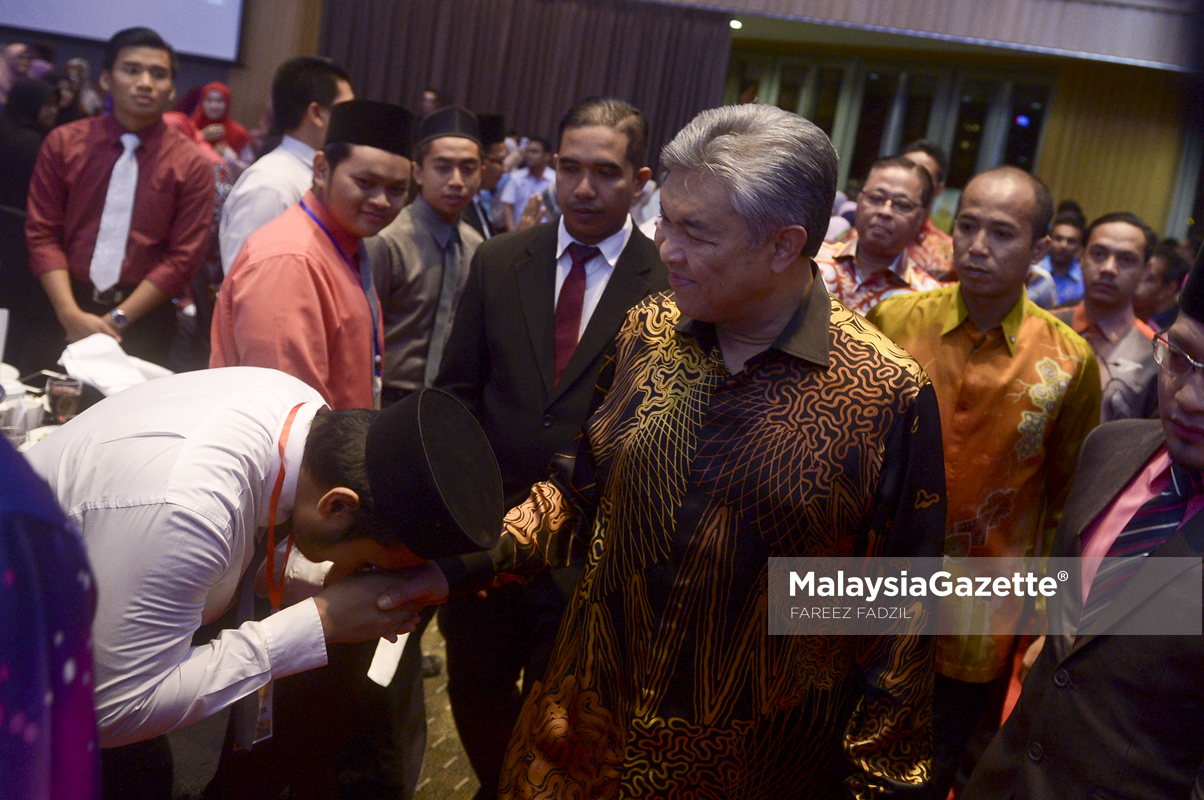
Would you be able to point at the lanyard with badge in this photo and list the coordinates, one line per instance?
(366, 282)
(253, 728)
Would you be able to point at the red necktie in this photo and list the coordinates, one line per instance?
(568, 306)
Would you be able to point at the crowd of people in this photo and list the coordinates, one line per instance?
(394, 326)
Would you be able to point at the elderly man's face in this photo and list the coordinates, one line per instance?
(889, 212)
(716, 276)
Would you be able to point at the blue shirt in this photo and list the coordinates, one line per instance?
(1070, 285)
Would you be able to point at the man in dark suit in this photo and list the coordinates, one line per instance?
(1109, 716)
(532, 331)
(479, 213)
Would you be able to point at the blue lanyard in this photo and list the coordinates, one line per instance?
(376, 358)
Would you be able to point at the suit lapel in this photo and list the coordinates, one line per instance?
(1116, 468)
(1151, 578)
(628, 285)
(535, 279)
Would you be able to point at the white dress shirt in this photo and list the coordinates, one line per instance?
(521, 186)
(170, 481)
(263, 192)
(597, 270)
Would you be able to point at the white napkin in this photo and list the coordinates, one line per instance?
(386, 659)
(99, 361)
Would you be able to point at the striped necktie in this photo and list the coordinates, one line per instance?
(1149, 528)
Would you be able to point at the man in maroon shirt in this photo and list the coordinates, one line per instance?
(71, 205)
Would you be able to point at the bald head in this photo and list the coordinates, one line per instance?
(1037, 201)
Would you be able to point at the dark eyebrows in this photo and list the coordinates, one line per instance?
(602, 164)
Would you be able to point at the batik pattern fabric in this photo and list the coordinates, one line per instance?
(845, 281)
(664, 681)
(932, 251)
(1016, 403)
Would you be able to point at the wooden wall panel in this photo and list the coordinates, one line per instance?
(1112, 139)
(273, 30)
(1153, 32)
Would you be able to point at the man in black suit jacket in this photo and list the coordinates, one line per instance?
(527, 366)
(1108, 716)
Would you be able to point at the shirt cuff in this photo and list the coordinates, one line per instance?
(295, 639)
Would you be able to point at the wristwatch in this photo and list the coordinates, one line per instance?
(119, 319)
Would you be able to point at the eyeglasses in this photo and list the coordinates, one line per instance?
(901, 204)
(1175, 360)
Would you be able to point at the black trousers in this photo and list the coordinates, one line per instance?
(964, 718)
(490, 643)
(149, 338)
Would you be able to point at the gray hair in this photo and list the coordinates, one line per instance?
(779, 168)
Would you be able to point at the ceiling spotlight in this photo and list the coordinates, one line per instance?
(736, 24)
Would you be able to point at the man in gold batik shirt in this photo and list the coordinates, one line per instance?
(1019, 392)
(746, 416)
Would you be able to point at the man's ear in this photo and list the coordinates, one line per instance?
(338, 502)
(321, 170)
(641, 177)
(788, 245)
(1040, 248)
(106, 81)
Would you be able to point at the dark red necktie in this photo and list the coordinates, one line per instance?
(568, 305)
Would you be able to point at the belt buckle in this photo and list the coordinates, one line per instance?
(109, 297)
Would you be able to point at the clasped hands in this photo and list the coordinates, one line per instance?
(379, 604)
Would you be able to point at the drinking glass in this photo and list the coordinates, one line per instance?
(63, 395)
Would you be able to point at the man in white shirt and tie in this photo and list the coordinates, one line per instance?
(539, 314)
(303, 91)
(182, 485)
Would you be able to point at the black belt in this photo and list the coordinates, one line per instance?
(111, 297)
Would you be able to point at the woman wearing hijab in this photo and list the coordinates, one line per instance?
(34, 339)
(227, 137)
(14, 65)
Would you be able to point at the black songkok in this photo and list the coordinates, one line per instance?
(433, 475)
(1191, 299)
(492, 129)
(449, 121)
(381, 125)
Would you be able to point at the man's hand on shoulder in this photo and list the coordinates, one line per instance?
(371, 605)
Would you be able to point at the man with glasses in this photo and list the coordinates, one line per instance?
(1018, 393)
(1121, 716)
(1114, 261)
(874, 262)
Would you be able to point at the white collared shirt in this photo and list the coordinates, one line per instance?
(597, 270)
(522, 185)
(170, 481)
(263, 192)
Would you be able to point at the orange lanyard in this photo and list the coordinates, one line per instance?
(276, 590)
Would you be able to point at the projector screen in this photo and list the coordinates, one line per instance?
(208, 28)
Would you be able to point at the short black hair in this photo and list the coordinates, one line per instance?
(334, 456)
(1072, 208)
(1151, 239)
(547, 146)
(1073, 220)
(934, 151)
(1177, 266)
(136, 37)
(903, 162)
(619, 115)
(300, 81)
(335, 153)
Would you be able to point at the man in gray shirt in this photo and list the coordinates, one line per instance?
(420, 261)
